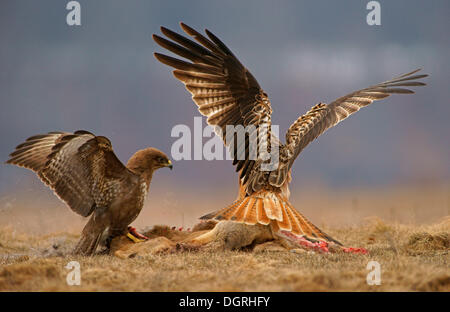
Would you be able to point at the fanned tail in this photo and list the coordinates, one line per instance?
(270, 208)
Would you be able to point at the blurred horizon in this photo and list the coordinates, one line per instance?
(102, 77)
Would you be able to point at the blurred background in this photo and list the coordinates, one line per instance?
(102, 77)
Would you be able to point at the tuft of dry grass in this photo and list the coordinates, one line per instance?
(425, 241)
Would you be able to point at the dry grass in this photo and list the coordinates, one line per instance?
(414, 256)
(411, 258)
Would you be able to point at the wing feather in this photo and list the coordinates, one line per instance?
(80, 168)
(223, 89)
(322, 116)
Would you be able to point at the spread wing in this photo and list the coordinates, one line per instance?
(80, 168)
(324, 116)
(224, 91)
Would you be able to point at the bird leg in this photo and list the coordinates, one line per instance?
(135, 236)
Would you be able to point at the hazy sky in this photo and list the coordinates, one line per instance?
(101, 76)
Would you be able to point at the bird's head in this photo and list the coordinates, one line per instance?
(148, 160)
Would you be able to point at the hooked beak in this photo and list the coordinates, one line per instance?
(169, 164)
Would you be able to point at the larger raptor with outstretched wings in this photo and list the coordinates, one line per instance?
(228, 95)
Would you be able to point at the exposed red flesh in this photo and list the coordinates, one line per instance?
(136, 234)
(320, 246)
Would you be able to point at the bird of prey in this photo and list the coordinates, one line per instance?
(227, 94)
(84, 172)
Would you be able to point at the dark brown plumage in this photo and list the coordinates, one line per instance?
(228, 94)
(84, 172)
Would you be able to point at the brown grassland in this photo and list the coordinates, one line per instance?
(407, 230)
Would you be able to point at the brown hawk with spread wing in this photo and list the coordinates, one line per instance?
(84, 172)
(228, 94)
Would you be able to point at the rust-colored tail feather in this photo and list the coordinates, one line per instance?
(272, 207)
(266, 207)
(251, 217)
(241, 210)
(261, 215)
(286, 221)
